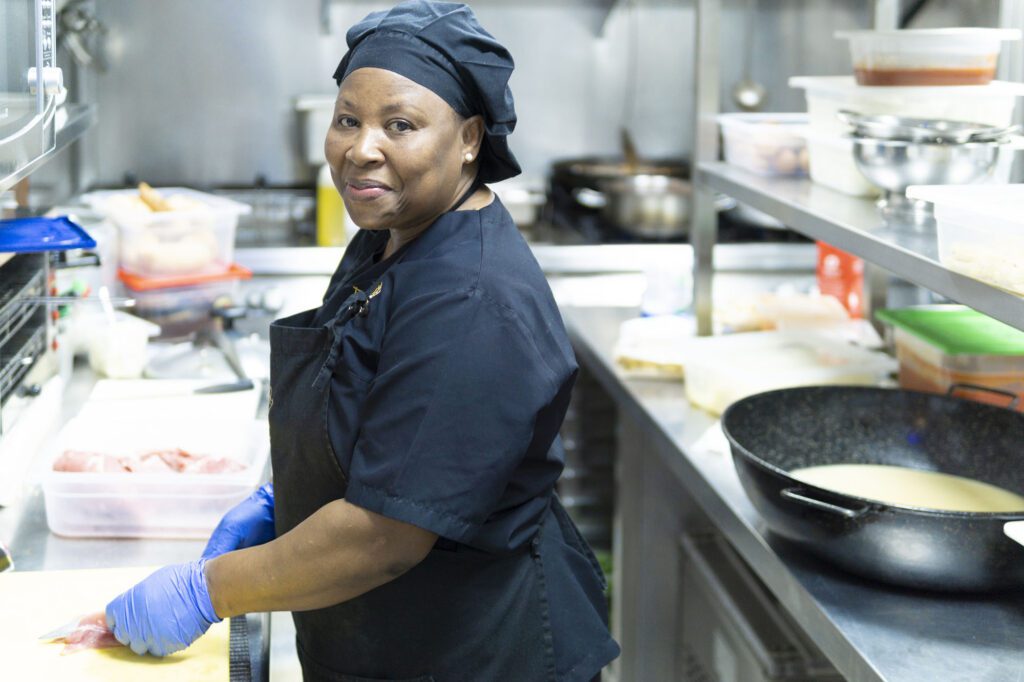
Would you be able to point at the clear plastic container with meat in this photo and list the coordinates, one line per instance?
(145, 478)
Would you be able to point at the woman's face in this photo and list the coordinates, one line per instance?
(397, 151)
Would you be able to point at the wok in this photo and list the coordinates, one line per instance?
(776, 432)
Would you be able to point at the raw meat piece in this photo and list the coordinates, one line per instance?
(90, 633)
(150, 463)
(174, 460)
(187, 463)
(95, 462)
(213, 465)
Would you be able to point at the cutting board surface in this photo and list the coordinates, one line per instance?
(35, 602)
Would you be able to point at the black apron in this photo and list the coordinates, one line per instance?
(461, 614)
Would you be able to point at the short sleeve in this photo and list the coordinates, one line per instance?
(451, 413)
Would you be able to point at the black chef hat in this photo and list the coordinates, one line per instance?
(443, 47)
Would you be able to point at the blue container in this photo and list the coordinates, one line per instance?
(33, 235)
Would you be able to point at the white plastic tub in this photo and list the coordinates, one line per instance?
(720, 370)
(991, 104)
(766, 144)
(197, 237)
(831, 164)
(980, 230)
(942, 56)
(164, 505)
(315, 112)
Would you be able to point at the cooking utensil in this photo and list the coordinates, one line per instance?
(890, 127)
(774, 433)
(894, 165)
(748, 93)
(646, 206)
(590, 171)
(629, 151)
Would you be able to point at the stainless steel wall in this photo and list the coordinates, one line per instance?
(202, 92)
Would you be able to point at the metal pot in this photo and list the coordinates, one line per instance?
(774, 433)
(592, 171)
(647, 206)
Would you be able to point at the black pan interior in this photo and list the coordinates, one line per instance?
(802, 427)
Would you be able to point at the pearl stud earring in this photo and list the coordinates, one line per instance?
(469, 157)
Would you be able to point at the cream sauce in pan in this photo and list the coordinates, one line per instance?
(911, 487)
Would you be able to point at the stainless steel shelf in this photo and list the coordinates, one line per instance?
(853, 224)
(80, 117)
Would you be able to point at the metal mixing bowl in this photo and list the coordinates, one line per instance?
(894, 165)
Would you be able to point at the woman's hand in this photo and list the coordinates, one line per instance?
(165, 612)
(249, 523)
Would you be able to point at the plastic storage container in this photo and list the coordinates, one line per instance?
(181, 305)
(196, 237)
(830, 163)
(831, 154)
(980, 230)
(315, 113)
(163, 505)
(766, 144)
(942, 56)
(941, 346)
(723, 369)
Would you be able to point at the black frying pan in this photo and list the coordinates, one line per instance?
(779, 431)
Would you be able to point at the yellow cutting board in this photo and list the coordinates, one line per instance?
(36, 602)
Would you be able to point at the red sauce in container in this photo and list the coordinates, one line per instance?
(972, 76)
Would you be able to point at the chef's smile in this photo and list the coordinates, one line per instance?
(364, 190)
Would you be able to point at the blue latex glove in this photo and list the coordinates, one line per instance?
(165, 612)
(247, 524)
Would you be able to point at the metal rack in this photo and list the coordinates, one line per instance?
(79, 118)
(849, 223)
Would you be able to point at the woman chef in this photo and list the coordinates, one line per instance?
(414, 416)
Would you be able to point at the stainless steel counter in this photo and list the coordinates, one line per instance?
(868, 631)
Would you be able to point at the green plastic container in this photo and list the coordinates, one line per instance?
(940, 346)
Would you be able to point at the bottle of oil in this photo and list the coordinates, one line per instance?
(330, 211)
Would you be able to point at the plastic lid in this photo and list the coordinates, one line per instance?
(1000, 202)
(137, 283)
(33, 235)
(957, 330)
(845, 85)
(959, 32)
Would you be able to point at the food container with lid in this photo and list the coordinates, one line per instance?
(181, 305)
(155, 505)
(939, 56)
(942, 346)
(720, 370)
(980, 230)
(196, 237)
(766, 144)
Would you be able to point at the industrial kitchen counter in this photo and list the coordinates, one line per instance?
(868, 631)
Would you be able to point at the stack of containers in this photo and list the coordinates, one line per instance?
(941, 347)
(930, 73)
(175, 262)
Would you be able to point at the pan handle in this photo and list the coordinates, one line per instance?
(1014, 398)
(802, 497)
(1014, 530)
